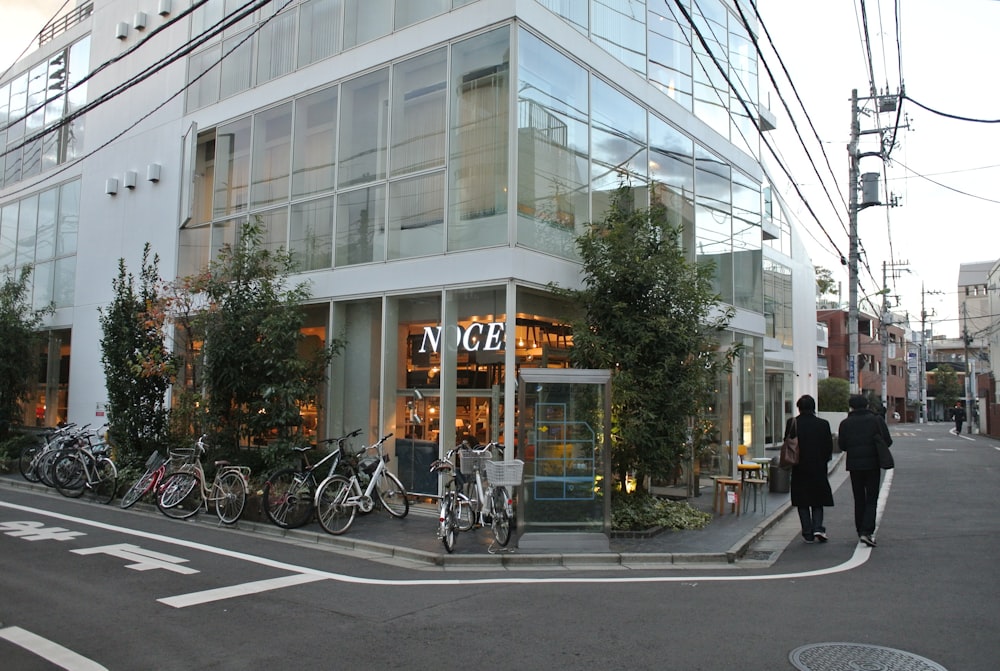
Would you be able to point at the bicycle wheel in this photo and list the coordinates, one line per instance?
(332, 508)
(230, 495)
(392, 494)
(138, 489)
(447, 526)
(28, 462)
(463, 513)
(288, 499)
(503, 516)
(43, 468)
(105, 480)
(69, 474)
(180, 497)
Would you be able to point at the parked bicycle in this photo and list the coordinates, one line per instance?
(85, 466)
(184, 492)
(289, 494)
(339, 498)
(477, 493)
(35, 462)
(156, 469)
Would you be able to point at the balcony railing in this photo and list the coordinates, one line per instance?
(61, 24)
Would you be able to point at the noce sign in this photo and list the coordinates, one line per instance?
(473, 338)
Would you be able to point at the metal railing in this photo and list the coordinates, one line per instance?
(61, 24)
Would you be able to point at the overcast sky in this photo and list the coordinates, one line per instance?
(945, 173)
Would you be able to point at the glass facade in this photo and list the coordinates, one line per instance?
(38, 129)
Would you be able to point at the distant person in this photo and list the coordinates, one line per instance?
(810, 486)
(958, 414)
(856, 437)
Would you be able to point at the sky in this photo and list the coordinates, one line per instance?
(944, 172)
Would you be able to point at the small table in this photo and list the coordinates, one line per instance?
(764, 463)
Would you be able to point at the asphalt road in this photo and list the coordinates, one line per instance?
(84, 586)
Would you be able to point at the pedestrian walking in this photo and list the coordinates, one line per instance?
(958, 414)
(810, 485)
(856, 437)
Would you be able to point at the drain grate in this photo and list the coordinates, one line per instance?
(858, 657)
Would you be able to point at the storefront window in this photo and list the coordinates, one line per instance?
(355, 380)
(47, 405)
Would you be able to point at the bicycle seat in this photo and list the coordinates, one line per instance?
(440, 466)
(220, 464)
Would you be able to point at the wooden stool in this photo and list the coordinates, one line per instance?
(719, 500)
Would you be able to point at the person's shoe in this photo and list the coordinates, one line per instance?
(820, 536)
(868, 540)
(808, 539)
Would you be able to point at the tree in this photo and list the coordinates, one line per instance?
(833, 394)
(947, 388)
(256, 365)
(825, 284)
(650, 316)
(19, 343)
(138, 366)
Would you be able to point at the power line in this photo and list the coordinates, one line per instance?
(945, 186)
(946, 115)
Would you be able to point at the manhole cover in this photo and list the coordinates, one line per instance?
(858, 657)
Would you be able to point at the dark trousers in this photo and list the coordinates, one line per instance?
(865, 486)
(811, 518)
(958, 425)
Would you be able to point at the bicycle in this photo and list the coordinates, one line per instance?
(183, 493)
(488, 501)
(35, 461)
(289, 494)
(156, 469)
(339, 498)
(85, 466)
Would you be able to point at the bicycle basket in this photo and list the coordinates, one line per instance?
(507, 473)
(182, 456)
(154, 460)
(470, 460)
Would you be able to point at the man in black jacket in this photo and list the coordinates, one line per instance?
(856, 437)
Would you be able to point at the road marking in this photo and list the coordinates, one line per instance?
(145, 560)
(861, 555)
(62, 657)
(37, 531)
(197, 598)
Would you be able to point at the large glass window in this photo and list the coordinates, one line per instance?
(416, 216)
(618, 146)
(315, 142)
(310, 235)
(364, 20)
(232, 167)
(619, 27)
(713, 219)
(743, 75)
(477, 212)
(747, 243)
(361, 226)
(778, 302)
(711, 92)
(319, 30)
(27, 222)
(408, 13)
(272, 148)
(276, 46)
(671, 173)
(670, 53)
(552, 148)
(237, 66)
(8, 235)
(364, 121)
(419, 113)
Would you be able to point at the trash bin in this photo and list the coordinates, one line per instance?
(779, 479)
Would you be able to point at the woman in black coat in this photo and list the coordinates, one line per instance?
(810, 486)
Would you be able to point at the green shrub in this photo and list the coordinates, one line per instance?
(638, 512)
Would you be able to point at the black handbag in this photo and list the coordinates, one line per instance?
(885, 459)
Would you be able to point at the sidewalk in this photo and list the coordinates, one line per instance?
(413, 540)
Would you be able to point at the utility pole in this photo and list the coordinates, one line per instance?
(969, 384)
(922, 377)
(884, 103)
(885, 320)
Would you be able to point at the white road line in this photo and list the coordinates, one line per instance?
(46, 649)
(197, 598)
(860, 556)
